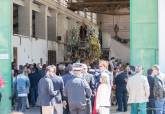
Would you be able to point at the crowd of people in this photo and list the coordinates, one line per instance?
(83, 88)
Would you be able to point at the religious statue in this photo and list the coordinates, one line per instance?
(116, 30)
(83, 32)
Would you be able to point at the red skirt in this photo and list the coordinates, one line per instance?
(94, 106)
(1, 82)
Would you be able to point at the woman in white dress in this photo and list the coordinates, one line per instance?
(103, 97)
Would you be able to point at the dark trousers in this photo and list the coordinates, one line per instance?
(151, 106)
(92, 101)
(66, 110)
(121, 97)
(21, 107)
(33, 95)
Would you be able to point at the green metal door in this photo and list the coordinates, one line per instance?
(144, 32)
(5, 53)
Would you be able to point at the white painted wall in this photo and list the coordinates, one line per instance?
(39, 50)
(31, 51)
(161, 17)
(123, 21)
(23, 49)
(106, 37)
(118, 50)
(63, 26)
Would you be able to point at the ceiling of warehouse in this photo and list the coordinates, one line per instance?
(111, 7)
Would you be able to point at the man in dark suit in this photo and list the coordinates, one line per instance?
(91, 81)
(121, 91)
(66, 77)
(58, 84)
(151, 103)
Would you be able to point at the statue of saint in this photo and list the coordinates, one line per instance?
(83, 32)
(116, 30)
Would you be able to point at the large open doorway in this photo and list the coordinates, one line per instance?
(143, 32)
(113, 19)
(131, 23)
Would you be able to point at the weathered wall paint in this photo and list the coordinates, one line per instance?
(5, 53)
(144, 32)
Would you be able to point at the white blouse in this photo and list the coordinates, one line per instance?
(103, 96)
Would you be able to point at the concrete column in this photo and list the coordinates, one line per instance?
(25, 18)
(61, 26)
(52, 26)
(106, 39)
(144, 32)
(161, 17)
(52, 30)
(41, 23)
(5, 54)
(61, 32)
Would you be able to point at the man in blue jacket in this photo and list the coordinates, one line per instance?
(21, 86)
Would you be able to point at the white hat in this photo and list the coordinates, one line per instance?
(77, 67)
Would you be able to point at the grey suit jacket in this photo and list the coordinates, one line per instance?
(77, 90)
(45, 92)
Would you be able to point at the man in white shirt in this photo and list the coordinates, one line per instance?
(138, 90)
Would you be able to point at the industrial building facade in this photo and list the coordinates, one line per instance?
(41, 25)
(40, 29)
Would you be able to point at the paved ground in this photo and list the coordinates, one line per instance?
(37, 111)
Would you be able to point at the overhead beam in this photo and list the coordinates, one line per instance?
(93, 8)
(49, 13)
(112, 13)
(18, 2)
(105, 10)
(35, 7)
(99, 3)
(116, 5)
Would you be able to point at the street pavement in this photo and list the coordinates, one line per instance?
(36, 110)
